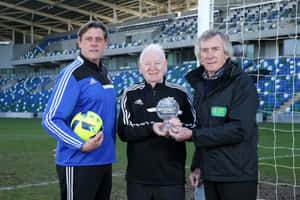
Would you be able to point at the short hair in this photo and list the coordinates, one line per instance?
(210, 34)
(92, 24)
(153, 47)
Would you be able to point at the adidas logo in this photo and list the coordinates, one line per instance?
(139, 102)
(92, 81)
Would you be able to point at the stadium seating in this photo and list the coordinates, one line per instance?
(42, 48)
(28, 95)
(277, 88)
(259, 17)
(275, 85)
(180, 29)
(275, 80)
(32, 94)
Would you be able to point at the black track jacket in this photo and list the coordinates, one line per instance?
(152, 159)
(226, 136)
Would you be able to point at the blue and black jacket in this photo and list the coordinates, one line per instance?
(81, 87)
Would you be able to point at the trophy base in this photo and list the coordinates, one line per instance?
(165, 127)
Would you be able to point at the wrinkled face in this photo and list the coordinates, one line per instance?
(92, 44)
(153, 67)
(212, 54)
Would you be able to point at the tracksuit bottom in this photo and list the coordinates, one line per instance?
(85, 182)
(230, 190)
(155, 192)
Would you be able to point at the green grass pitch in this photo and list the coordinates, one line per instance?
(27, 168)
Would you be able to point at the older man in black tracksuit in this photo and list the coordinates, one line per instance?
(226, 136)
(156, 162)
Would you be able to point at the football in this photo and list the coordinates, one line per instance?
(86, 124)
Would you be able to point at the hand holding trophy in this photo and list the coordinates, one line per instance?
(166, 109)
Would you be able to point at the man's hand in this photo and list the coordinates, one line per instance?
(195, 177)
(93, 143)
(54, 153)
(175, 122)
(180, 133)
(157, 129)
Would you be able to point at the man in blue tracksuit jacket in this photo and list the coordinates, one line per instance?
(84, 168)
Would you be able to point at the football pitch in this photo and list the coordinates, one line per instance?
(27, 166)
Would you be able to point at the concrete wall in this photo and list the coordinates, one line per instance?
(64, 44)
(142, 34)
(20, 50)
(289, 47)
(270, 49)
(6, 56)
(286, 118)
(20, 115)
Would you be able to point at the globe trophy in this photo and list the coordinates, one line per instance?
(166, 109)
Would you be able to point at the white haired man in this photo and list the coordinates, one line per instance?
(156, 162)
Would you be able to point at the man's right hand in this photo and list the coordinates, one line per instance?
(157, 129)
(93, 143)
(195, 177)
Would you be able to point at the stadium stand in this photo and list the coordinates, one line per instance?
(260, 17)
(274, 76)
(171, 29)
(31, 94)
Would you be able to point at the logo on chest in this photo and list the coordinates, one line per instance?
(92, 81)
(139, 102)
(218, 111)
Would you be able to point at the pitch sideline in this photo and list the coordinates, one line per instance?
(117, 175)
(43, 183)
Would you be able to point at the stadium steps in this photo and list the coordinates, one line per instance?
(289, 102)
(9, 84)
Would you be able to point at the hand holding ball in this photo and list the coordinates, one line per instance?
(86, 124)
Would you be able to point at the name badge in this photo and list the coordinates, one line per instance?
(218, 111)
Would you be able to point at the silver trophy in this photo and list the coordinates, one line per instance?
(166, 109)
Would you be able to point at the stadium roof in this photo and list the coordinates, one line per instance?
(55, 16)
(34, 19)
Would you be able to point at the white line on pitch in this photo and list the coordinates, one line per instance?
(27, 185)
(44, 183)
(121, 174)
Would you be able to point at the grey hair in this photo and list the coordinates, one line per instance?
(206, 35)
(153, 47)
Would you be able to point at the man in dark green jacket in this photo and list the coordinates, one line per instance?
(226, 136)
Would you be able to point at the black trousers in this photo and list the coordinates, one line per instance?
(155, 192)
(85, 182)
(230, 190)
